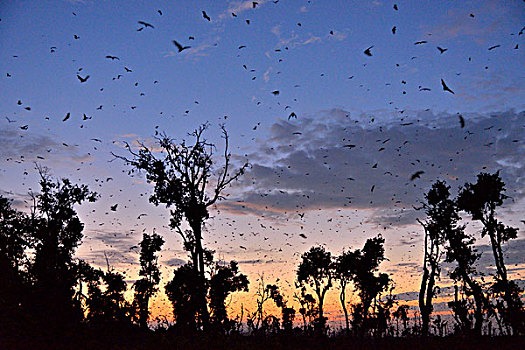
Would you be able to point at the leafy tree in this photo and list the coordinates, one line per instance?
(13, 234)
(57, 232)
(108, 306)
(287, 313)
(343, 272)
(182, 178)
(308, 310)
(435, 226)
(181, 293)
(224, 281)
(481, 200)
(146, 287)
(13, 288)
(459, 249)
(86, 275)
(401, 313)
(315, 270)
(369, 285)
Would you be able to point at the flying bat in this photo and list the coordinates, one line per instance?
(82, 80)
(416, 175)
(179, 46)
(145, 24)
(445, 87)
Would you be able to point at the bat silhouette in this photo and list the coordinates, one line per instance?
(179, 46)
(82, 80)
(445, 87)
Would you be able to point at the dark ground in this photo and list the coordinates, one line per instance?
(105, 338)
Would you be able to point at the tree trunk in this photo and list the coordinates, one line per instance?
(202, 307)
(425, 315)
(143, 312)
(423, 302)
(477, 293)
(342, 297)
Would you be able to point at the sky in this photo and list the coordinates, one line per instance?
(330, 133)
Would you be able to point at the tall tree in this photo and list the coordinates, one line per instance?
(481, 200)
(57, 234)
(13, 288)
(343, 272)
(13, 234)
(369, 285)
(315, 269)
(146, 287)
(435, 226)
(460, 250)
(182, 178)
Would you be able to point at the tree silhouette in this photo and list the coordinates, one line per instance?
(481, 200)
(308, 310)
(369, 285)
(13, 288)
(224, 281)
(459, 249)
(181, 179)
(263, 294)
(343, 272)
(401, 313)
(13, 234)
(181, 293)
(86, 275)
(287, 313)
(146, 287)
(435, 226)
(315, 269)
(57, 232)
(108, 306)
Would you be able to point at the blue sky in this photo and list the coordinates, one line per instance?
(309, 51)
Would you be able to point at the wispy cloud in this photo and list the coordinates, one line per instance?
(19, 145)
(238, 7)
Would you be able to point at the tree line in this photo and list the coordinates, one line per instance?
(46, 289)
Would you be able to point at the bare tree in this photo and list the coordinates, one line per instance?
(184, 181)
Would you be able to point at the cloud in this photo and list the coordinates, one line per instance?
(338, 160)
(174, 262)
(395, 217)
(513, 253)
(458, 23)
(239, 7)
(21, 145)
(259, 261)
(18, 201)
